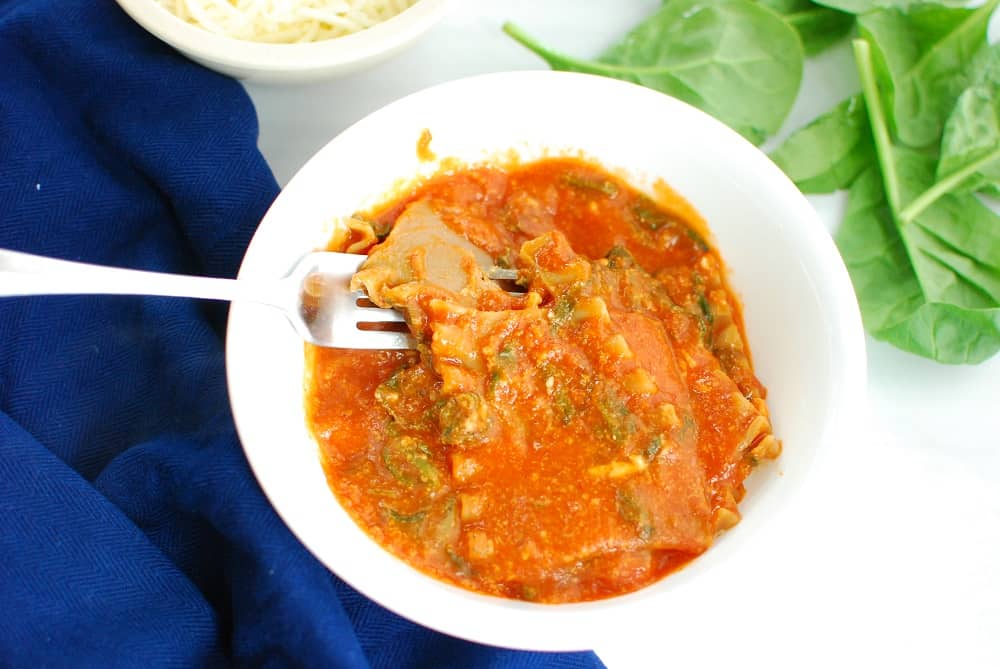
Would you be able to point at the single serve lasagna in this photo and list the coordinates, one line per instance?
(574, 441)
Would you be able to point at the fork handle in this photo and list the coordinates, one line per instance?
(27, 274)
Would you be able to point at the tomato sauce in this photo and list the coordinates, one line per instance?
(574, 442)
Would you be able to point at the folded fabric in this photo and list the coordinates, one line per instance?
(132, 532)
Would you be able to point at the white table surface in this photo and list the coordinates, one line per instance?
(893, 554)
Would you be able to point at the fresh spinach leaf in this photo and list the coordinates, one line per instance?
(831, 151)
(985, 66)
(886, 286)
(929, 284)
(950, 229)
(970, 147)
(922, 56)
(948, 333)
(819, 27)
(954, 244)
(893, 305)
(865, 6)
(734, 59)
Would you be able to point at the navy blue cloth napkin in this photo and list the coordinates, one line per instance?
(132, 532)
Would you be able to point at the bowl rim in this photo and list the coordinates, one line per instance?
(581, 623)
(266, 57)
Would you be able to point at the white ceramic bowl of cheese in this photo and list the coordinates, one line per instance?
(287, 63)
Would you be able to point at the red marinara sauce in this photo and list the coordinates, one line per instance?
(573, 443)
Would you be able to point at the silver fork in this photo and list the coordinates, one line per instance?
(315, 295)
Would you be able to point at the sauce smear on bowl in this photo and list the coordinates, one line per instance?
(573, 442)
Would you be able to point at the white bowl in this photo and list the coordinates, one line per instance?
(801, 316)
(287, 63)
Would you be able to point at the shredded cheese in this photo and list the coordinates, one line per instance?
(285, 21)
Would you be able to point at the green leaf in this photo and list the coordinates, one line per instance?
(734, 59)
(970, 147)
(985, 66)
(893, 305)
(923, 56)
(831, 151)
(953, 242)
(929, 284)
(970, 157)
(864, 6)
(819, 27)
(409, 461)
(961, 144)
(948, 334)
(886, 286)
(954, 245)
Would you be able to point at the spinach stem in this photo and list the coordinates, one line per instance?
(531, 44)
(596, 66)
(876, 117)
(883, 143)
(944, 186)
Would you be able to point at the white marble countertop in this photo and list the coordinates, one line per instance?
(894, 556)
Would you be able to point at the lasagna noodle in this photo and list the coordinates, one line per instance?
(526, 396)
